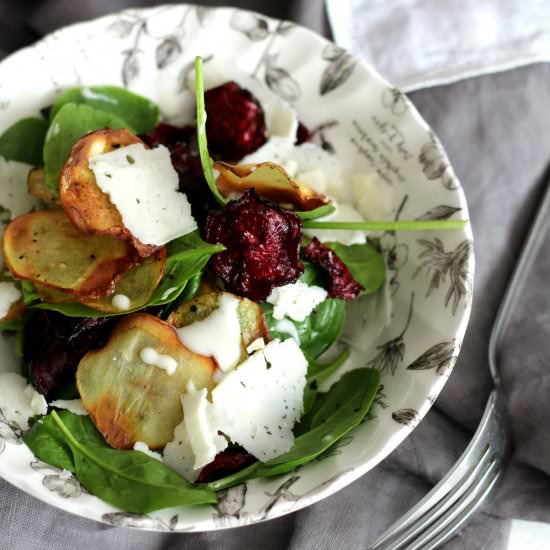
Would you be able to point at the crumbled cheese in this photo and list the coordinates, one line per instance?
(218, 335)
(121, 302)
(9, 294)
(375, 197)
(150, 356)
(296, 300)
(142, 447)
(19, 401)
(178, 454)
(143, 186)
(73, 405)
(313, 178)
(14, 198)
(255, 345)
(258, 403)
(201, 424)
(343, 213)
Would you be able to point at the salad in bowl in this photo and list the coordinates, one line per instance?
(194, 303)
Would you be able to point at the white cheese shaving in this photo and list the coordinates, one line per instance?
(143, 186)
(121, 302)
(142, 447)
(375, 197)
(178, 454)
(73, 405)
(296, 300)
(255, 345)
(19, 401)
(218, 335)
(14, 197)
(150, 356)
(9, 294)
(258, 403)
(343, 213)
(201, 424)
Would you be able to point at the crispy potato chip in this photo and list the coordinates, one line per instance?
(88, 207)
(130, 400)
(270, 181)
(251, 317)
(36, 186)
(138, 284)
(46, 248)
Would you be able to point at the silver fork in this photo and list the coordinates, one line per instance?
(452, 502)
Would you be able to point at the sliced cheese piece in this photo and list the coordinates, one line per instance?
(72, 405)
(375, 198)
(201, 424)
(218, 335)
(258, 403)
(14, 197)
(9, 294)
(343, 213)
(178, 454)
(296, 300)
(143, 186)
(19, 401)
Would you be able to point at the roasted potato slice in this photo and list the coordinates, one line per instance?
(36, 186)
(270, 181)
(138, 284)
(251, 317)
(130, 400)
(88, 207)
(46, 248)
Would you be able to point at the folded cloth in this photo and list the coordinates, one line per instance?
(496, 137)
(420, 43)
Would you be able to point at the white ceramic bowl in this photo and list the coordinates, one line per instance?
(372, 127)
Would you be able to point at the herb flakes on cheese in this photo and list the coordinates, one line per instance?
(143, 186)
(19, 401)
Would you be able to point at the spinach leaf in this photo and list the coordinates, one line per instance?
(130, 480)
(365, 263)
(317, 332)
(70, 124)
(139, 113)
(334, 414)
(24, 141)
(187, 256)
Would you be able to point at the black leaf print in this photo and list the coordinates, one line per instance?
(441, 264)
(204, 15)
(320, 134)
(441, 357)
(130, 67)
(128, 519)
(280, 81)
(66, 487)
(337, 73)
(121, 28)
(435, 164)
(167, 51)
(9, 433)
(392, 352)
(231, 501)
(331, 52)
(441, 212)
(395, 101)
(253, 27)
(408, 417)
(284, 28)
(281, 494)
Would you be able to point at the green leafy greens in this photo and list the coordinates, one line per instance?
(130, 480)
(23, 141)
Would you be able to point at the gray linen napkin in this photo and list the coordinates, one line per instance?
(495, 135)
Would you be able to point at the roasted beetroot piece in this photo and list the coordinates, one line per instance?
(54, 344)
(235, 122)
(263, 246)
(303, 134)
(227, 462)
(341, 283)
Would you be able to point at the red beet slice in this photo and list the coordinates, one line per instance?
(341, 282)
(263, 246)
(225, 463)
(235, 122)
